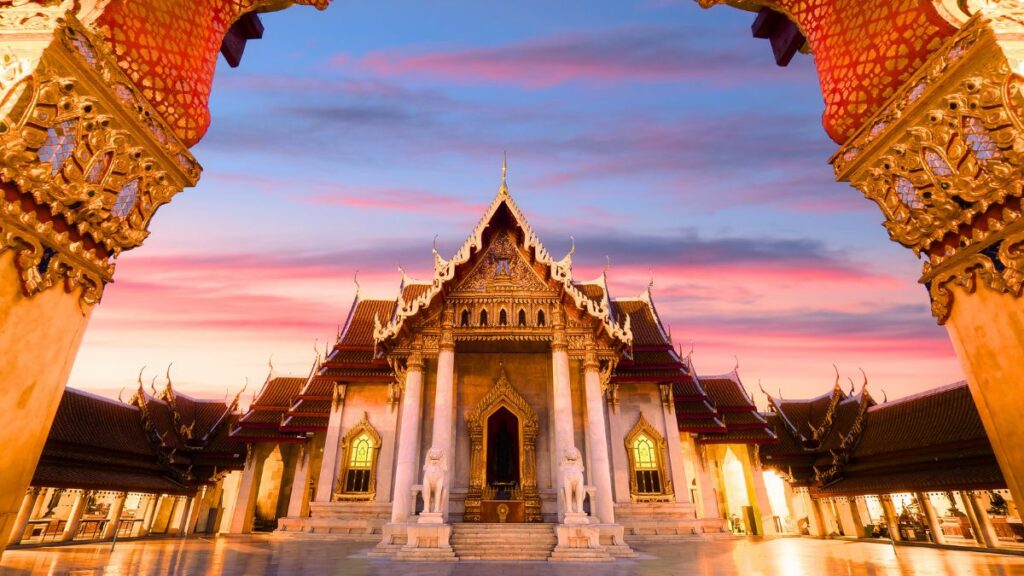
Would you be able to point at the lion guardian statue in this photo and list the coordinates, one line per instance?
(573, 490)
(435, 473)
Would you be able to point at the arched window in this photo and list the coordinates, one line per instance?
(503, 318)
(649, 480)
(464, 322)
(540, 317)
(522, 317)
(357, 480)
(483, 317)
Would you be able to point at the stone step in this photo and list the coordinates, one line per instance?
(580, 555)
(503, 542)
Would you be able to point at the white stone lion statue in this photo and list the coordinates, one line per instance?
(435, 472)
(573, 490)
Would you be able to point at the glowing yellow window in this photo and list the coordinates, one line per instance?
(647, 474)
(360, 464)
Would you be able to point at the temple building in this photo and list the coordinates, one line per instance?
(150, 466)
(504, 409)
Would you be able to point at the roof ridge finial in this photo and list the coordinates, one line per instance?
(836, 386)
(504, 173)
(736, 368)
(355, 280)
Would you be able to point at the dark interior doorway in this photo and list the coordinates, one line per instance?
(503, 450)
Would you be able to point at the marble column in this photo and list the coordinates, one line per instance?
(815, 521)
(565, 436)
(28, 504)
(114, 515)
(708, 502)
(597, 439)
(757, 494)
(444, 403)
(298, 501)
(890, 518)
(933, 519)
(620, 466)
(988, 532)
(248, 490)
(75, 516)
(149, 513)
(848, 518)
(332, 448)
(40, 505)
(408, 439)
(675, 447)
(189, 515)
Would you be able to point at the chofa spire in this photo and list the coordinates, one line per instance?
(504, 174)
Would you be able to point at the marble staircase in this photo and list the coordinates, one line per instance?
(511, 542)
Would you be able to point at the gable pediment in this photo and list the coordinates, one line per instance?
(502, 268)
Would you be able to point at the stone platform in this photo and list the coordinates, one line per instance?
(362, 521)
(651, 521)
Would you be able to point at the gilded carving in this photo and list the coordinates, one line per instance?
(503, 268)
(503, 395)
(85, 170)
(944, 161)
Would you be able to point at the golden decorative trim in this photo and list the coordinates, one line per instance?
(643, 427)
(90, 152)
(339, 488)
(502, 395)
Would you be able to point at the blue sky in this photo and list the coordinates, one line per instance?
(658, 134)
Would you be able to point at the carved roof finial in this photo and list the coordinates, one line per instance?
(504, 174)
(864, 386)
(853, 387)
(836, 386)
(169, 375)
(885, 397)
(355, 280)
(141, 370)
(152, 386)
(737, 367)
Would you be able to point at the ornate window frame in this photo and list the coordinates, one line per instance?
(644, 428)
(361, 427)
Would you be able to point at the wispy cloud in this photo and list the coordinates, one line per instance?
(627, 54)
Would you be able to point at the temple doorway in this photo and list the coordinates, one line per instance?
(503, 454)
(503, 457)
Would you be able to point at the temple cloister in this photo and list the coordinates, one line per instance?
(100, 101)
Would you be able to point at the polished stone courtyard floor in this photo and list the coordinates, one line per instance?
(259, 555)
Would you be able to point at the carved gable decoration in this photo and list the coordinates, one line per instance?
(503, 268)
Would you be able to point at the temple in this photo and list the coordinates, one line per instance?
(504, 409)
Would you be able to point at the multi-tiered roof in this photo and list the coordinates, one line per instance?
(719, 410)
(164, 442)
(847, 444)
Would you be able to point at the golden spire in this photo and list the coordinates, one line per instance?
(504, 174)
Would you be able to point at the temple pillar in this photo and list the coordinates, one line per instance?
(890, 518)
(28, 504)
(597, 439)
(152, 503)
(934, 523)
(988, 532)
(75, 516)
(675, 447)
(41, 336)
(191, 514)
(987, 330)
(248, 490)
(44, 497)
(847, 519)
(757, 494)
(562, 400)
(980, 538)
(408, 439)
(942, 161)
(617, 431)
(332, 448)
(114, 516)
(815, 521)
(444, 403)
(707, 501)
(298, 501)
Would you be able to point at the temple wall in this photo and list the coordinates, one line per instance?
(371, 400)
(635, 399)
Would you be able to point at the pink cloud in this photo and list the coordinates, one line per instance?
(658, 54)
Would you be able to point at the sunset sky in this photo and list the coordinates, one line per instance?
(658, 134)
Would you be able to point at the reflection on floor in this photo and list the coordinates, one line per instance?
(264, 555)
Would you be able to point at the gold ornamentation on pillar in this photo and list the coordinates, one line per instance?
(84, 162)
(944, 162)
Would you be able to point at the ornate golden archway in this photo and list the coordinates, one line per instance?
(502, 395)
